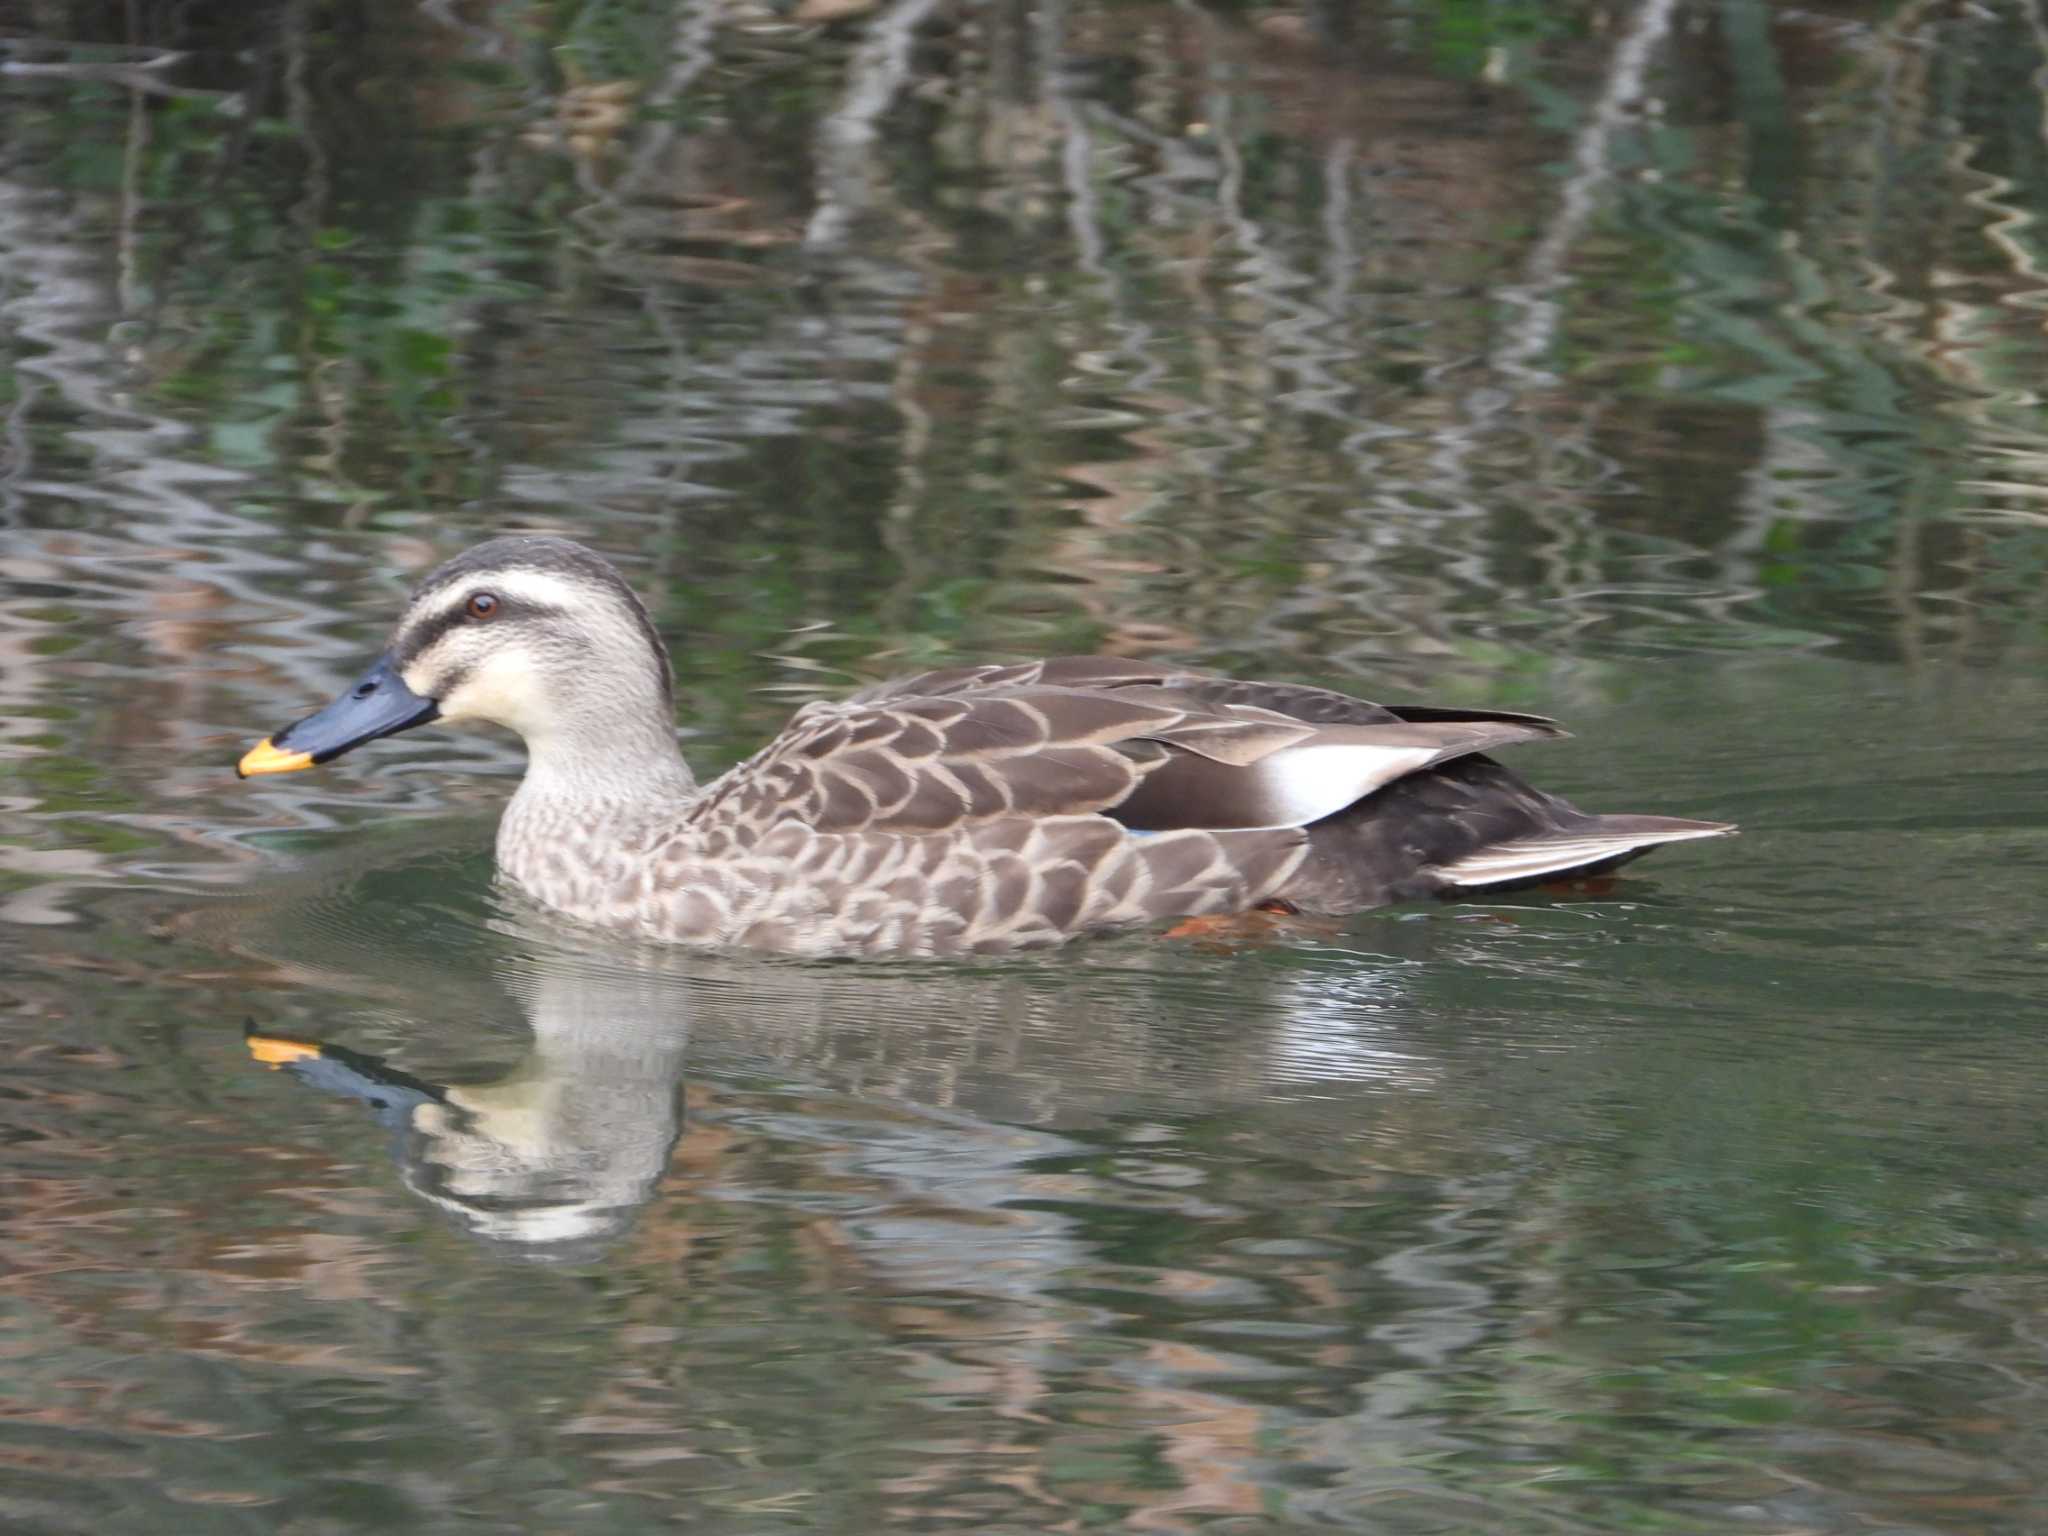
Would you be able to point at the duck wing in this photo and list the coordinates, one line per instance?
(1155, 749)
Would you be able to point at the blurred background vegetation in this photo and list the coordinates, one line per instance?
(1673, 366)
(1379, 333)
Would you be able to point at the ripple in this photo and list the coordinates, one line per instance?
(1435, 360)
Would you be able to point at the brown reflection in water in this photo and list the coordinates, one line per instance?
(932, 1235)
(1091, 325)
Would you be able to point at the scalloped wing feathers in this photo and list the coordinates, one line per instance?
(984, 809)
(1086, 735)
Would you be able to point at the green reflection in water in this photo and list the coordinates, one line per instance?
(1668, 368)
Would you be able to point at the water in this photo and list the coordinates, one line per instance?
(1670, 368)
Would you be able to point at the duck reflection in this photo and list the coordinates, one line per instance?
(555, 1157)
(1006, 1191)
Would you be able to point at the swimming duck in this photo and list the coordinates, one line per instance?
(974, 809)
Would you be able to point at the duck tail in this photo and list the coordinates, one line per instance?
(1593, 847)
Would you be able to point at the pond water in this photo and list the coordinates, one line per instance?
(1670, 367)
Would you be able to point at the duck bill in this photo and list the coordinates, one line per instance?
(275, 1051)
(378, 705)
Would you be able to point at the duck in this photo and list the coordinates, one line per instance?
(970, 810)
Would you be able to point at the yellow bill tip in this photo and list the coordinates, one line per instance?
(266, 758)
(277, 1051)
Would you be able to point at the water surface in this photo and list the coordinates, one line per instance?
(1670, 368)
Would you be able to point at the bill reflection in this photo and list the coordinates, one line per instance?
(556, 1156)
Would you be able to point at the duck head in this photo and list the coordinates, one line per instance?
(536, 634)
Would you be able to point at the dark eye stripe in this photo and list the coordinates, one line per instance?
(553, 557)
(414, 641)
(510, 611)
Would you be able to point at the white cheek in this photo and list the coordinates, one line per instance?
(502, 691)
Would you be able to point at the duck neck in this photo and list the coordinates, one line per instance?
(621, 768)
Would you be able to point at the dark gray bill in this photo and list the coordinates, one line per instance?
(379, 705)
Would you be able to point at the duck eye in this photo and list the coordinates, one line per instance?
(482, 605)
